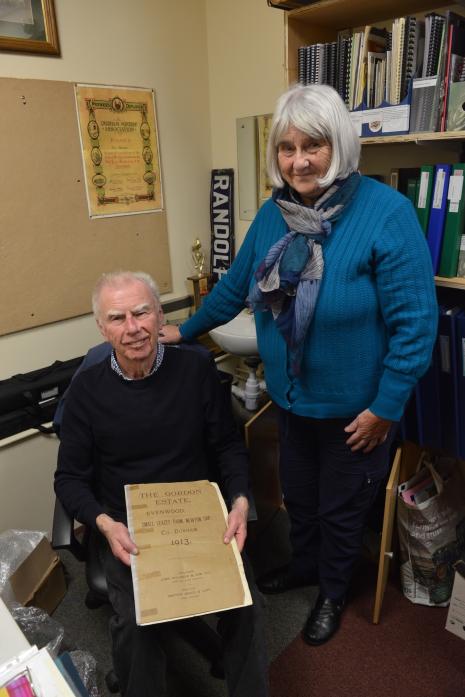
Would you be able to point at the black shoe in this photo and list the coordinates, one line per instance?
(324, 621)
(283, 579)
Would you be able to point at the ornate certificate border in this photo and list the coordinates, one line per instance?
(120, 152)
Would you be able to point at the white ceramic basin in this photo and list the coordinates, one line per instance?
(237, 336)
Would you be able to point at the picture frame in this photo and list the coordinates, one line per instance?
(120, 149)
(28, 26)
(265, 187)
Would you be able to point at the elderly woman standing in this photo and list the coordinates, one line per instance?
(337, 271)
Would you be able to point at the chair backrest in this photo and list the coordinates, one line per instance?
(64, 533)
(85, 545)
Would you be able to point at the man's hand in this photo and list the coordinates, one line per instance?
(237, 522)
(169, 334)
(118, 538)
(367, 431)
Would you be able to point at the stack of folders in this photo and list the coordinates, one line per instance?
(454, 69)
(435, 417)
(418, 61)
(393, 90)
(438, 194)
(425, 88)
(437, 216)
(373, 66)
(454, 228)
(411, 47)
(317, 64)
(435, 97)
(344, 65)
(423, 202)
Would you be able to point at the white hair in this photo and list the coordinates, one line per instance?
(120, 278)
(318, 111)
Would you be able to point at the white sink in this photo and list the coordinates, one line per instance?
(237, 336)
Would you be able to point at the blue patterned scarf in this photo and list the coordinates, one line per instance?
(289, 277)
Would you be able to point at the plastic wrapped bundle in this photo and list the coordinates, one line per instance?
(15, 547)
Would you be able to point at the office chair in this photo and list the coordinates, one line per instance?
(87, 547)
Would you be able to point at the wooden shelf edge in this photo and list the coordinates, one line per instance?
(455, 282)
(345, 13)
(414, 138)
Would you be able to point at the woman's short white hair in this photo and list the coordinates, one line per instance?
(117, 279)
(318, 111)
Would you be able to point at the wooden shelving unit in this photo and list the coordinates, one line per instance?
(321, 21)
(341, 14)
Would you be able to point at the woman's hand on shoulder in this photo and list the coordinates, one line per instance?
(169, 334)
(367, 431)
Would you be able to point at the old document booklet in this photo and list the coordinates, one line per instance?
(183, 567)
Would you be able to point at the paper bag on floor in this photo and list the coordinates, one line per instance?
(431, 524)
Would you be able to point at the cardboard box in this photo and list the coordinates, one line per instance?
(39, 580)
(456, 615)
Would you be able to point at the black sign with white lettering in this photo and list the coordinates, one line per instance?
(222, 222)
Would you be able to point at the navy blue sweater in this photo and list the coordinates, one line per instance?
(168, 427)
(375, 321)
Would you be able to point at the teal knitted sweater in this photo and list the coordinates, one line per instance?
(375, 321)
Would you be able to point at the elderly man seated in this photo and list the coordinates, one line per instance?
(151, 413)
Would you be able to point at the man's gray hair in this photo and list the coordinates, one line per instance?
(120, 278)
(318, 111)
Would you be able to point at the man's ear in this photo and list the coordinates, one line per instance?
(161, 316)
(101, 329)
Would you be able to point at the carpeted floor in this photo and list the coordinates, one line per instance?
(189, 673)
(409, 654)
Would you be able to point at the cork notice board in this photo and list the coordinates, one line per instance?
(51, 252)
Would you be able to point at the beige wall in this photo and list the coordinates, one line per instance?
(150, 43)
(209, 61)
(246, 72)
